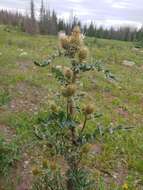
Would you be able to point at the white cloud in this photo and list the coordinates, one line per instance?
(117, 23)
(107, 23)
(105, 12)
(64, 15)
(76, 1)
(120, 5)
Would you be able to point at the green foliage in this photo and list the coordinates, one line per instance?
(53, 129)
(4, 97)
(49, 179)
(59, 75)
(101, 185)
(9, 154)
(49, 60)
(60, 127)
(79, 180)
(139, 44)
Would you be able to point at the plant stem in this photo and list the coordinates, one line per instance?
(84, 124)
(70, 111)
(74, 77)
(73, 133)
(67, 107)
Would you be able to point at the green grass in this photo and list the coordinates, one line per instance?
(121, 103)
(4, 97)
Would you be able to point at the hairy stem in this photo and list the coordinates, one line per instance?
(84, 124)
(67, 107)
(74, 77)
(71, 112)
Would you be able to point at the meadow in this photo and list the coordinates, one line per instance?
(116, 159)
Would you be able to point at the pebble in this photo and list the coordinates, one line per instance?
(128, 63)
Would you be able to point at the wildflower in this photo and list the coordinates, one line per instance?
(88, 109)
(64, 41)
(54, 107)
(83, 53)
(125, 186)
(23, 54)
(76, 30)
(35, 171)
(75, 41)
(76, 37)
(53, 165)
(69, 90)
(45, 163)
(68, 73)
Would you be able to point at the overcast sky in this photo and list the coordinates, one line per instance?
(102, 12)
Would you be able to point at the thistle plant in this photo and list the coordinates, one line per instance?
(61, 127)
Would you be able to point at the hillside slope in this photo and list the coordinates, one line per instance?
(25, 91)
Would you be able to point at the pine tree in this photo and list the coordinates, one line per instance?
(90, 31)
(54, 26)
(32, 24)
(42, 17)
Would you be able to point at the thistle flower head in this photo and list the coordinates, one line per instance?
(64, 41)
(76, 30)
(88, 109)
(68, 72)
(83, 53)
(76, 38)
(69, 90)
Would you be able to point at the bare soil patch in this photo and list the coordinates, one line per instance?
(29, 98)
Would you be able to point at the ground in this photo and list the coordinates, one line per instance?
(25, 90)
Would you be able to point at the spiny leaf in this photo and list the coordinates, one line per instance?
(43, 63)
(58, 75)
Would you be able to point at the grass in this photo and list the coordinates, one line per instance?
(4, 97)
(25, 91)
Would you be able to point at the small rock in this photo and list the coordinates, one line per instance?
(49, 75)
(58, 66)
(26, 162)
(23, 54)
(128, 63)
(96, 149)
(135, 49)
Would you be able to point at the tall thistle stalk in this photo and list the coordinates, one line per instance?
(71, 140)
(78, 53)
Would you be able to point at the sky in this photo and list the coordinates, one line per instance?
(103, 12)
